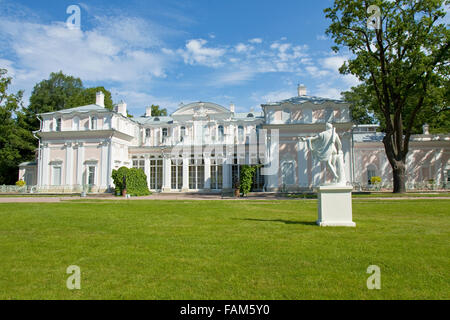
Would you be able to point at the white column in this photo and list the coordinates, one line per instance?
(273, 179)
(80, 159)
(185, 174)
(166, 174)
(69, 164)
(147, 170)
(45, 164)
(346, 148)
(110, 165)
(207, 173)
(104, 165)
(302, 158)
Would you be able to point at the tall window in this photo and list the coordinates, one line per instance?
(148, 133)
(58, 124)
(241, 133)
(139, 163)
(371, 172)
(216, 174)
(177, 174)
(182, 133)
(156, 173)
(165, 132)
(91, 175)
(221, 133)
(57, 175)
(196, 174)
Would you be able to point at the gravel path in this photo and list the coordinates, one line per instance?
(186, 196)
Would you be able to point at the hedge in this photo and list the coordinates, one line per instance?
(136, 181)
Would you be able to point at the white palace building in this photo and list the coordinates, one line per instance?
(201, 146)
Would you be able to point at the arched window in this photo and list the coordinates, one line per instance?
(221, 133)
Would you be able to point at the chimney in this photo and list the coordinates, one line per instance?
(148, 111)
(301, 90)
(122, 108)
(232, 107)
(426, 129)
(100, 99)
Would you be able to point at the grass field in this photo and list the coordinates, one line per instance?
(223, 250)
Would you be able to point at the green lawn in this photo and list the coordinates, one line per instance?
(223, 250)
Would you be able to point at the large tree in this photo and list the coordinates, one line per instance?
(14, 145)
(59, 92)
(400, 63)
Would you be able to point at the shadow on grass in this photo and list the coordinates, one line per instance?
(305, 223)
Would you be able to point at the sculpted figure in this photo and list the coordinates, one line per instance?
(327, 147)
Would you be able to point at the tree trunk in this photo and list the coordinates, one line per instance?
(399, 174)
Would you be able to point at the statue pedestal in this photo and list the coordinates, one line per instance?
(335, 206)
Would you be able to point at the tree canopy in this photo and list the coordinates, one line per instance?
(157, 112)
(402, 63)
(14, 143)
(60, 92)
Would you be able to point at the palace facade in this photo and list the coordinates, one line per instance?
(202, 146)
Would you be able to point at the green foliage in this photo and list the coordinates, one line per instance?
(15, 145)
(60, 92)
(403, 67)
(246, 178)
(375, 180)
(21, 183)
(157, 112)
(88, 96)
(135, 180)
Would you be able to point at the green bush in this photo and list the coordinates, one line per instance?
(136, 181)
(21, 183)
(246, 178)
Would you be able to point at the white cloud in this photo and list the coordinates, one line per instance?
(138, 100)
(328, 91)
(235, 77)
(197, 53)
(255, 40)
(240, 47)
(116, 52)
(274, 96)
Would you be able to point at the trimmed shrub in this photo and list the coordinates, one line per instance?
(135, 179)
(246, 178)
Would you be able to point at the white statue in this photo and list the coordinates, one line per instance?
(327, 147)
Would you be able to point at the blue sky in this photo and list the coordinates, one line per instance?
(167, 52)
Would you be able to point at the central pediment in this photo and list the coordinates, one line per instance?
(201, 109)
